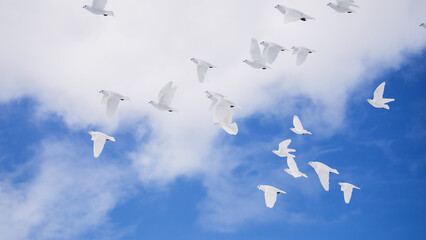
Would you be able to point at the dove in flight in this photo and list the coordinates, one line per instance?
(202, 67)
(302, 54)
(323, 171)
(343, 6)
(223, 111)
(283, 150)
(165, 97)
(298, 127)
(347, 188)
(270, 194)
(257, 60)
(378, 101)
(98, 8)
(112, 99)
(99, 140)
(271, 50)
(292, 169)
(292, 15)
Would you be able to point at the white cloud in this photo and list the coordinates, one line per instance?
(59, 194)
(61, 55)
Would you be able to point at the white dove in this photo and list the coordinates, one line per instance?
(292, 15)
(298, 127)
(258, 61)
(271, 50)
(165, 97)
(323, 172)
(223, 111)
(283, 150)
(98, 8)
(343, 6)
(423, 25)
(202, 67)
(378, 101)
(270, 194)
(112, 99)
(302, 54)
(292, 169)
(99, 140)
(347, 191)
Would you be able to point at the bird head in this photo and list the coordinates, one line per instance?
(259, 187)
(85, 6)
(192, 59)
(277, 6)
(150, 102)
(102, 91)
(245, 61)
(328, 4)
(310, 163)
(422, 25)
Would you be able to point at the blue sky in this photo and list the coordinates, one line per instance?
(180, 176)
(380, 151)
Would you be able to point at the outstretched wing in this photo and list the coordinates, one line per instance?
(347, 193)
(99, 4)
(271, 53)
(270, 197)
(284, 145)
(98, 145)
(201, 71)
(301, 56)
(296, 122)
(378, 93)
(112, 105)
(323, 175)
(255, 50)
(165, 96)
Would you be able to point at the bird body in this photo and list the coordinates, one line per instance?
(165, 97)
(292, 15)
(298, 127)
(343, 6)
(283, 150)
(292, 169)
(378, 101)
(302, 54)
(270, 194)
(98, 8)
(271, 50)
(112, 99)
(323, 171)
(347, 189)
(99, 140)
(223, 111)
(202, 67)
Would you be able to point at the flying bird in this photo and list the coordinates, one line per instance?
(323, 172)
(302, 54)
(270, 194)
(99, 140)
(378, 101)
(258, 61)
(298, 127)
(343, 6)
(112, 99)
(271, 50)
(283, 150)
(202, 67)
(292, 169)
(165, 97)
(222, 116)
(98, 8)
(292, 15)
(347, 191)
